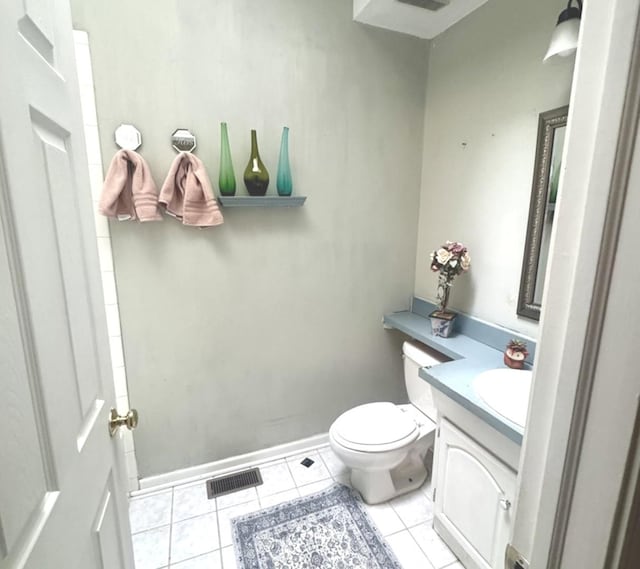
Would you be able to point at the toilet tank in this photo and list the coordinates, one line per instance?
(416, 356)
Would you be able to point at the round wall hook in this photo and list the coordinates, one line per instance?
(128, 137)
(183, 140)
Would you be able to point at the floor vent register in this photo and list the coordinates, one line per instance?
(233, 482)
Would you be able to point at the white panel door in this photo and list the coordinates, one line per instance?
(62, 497)
(474, 494)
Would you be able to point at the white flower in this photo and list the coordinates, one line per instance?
(465, 262)
(453, 263)
(443, 256)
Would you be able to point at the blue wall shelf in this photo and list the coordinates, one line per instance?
(469, 332)
(262, 201)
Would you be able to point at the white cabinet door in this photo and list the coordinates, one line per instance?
(474, 493)
(62, 498)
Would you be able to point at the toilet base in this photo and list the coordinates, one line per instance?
(378, 486)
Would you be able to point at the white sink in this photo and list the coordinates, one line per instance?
(506, 391)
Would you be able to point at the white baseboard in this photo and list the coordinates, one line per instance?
(228, 465)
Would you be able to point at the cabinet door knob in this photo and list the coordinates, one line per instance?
(505, 504)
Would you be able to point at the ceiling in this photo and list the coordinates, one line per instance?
(413, 20)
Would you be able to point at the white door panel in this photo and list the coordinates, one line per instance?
(62, 497)
(572, 336)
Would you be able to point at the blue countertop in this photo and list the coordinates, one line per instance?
(470, 357)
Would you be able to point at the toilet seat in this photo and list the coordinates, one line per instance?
(375, 427)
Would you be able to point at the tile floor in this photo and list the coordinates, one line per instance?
(181, 529)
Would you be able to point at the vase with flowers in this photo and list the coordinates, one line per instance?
(450, 260)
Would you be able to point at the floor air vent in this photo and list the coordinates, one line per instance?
(233, 482)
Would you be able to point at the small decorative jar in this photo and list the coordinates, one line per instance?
(515, 354)
(442, 323)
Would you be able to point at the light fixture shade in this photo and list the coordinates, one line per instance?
(564, 40)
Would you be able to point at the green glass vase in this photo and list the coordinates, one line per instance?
(227, 178)
(256, 177)
(284, 183)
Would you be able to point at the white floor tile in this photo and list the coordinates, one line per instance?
(434, 548)
(229, 558)
(344, 479)
(413, 508)
(201, 534)
(225, 516)
(276, 478)
(279, 498)
(306, 475)
(207, 561)
(150, 512)
(407, 551)
(385, 518)
(190, 501)
(334, 465)
(315, 487)
(194, 537)
(235, 498)
(151, 548)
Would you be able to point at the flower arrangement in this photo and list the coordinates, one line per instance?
(450, 260)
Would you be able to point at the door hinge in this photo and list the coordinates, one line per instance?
(434, 494)
(514, 560)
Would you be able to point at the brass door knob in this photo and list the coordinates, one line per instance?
(130, 420)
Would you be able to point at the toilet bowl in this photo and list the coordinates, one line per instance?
(385, 445)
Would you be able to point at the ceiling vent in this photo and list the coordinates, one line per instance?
(432, 5)
(421, 18)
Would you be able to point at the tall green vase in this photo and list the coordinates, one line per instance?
(256, 177)
(227, 178)
(284, 183)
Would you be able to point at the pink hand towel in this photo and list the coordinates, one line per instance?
(187, 193)
(129, 191)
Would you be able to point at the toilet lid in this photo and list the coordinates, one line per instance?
(375, 425)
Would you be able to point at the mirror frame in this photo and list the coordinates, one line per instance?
(548, 122)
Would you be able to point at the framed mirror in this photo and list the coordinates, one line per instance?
(552, 126)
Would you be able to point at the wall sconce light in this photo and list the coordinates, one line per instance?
(564, 40)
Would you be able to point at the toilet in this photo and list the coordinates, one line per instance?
(385, 445)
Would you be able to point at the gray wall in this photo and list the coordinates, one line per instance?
(487, 86)
(263, 330)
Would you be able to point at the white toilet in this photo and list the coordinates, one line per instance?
(385, 445)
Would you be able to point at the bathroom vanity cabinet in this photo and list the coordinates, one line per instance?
(474, 494)
(477, 449)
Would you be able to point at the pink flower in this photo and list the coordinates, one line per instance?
(451, 259)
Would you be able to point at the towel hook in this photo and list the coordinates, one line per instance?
(128, 137)
(183, 140)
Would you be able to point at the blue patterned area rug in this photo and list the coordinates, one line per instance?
(327, 530)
